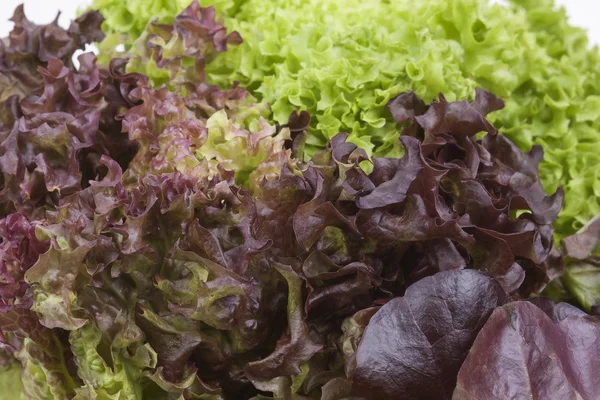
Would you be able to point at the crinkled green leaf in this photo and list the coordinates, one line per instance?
(45, 371)
(117, 379)
(54, 276)
(252, 155)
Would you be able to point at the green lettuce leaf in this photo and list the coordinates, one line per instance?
(582, 255)
(45, 372)
(10, 381)
(119, 378)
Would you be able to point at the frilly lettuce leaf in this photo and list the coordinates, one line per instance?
(53, 278)
(175, 54)
(19, 251)
(188, 124)
(139, 319)
(254, 155)
(343, 61)
(29, 46)
(235, 138)
(56, 109)
(128, 20)
(117, 379)
(45, 373)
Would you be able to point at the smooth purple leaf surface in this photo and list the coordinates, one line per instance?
(523, 353)
(414, 345)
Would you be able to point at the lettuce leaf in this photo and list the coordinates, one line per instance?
(190, 118)
(582, 277)
(405, 353)
(344, 61)
(45, 372)
(120, 377)
(513, 349)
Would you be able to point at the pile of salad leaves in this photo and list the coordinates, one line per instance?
(343, 61)
(161, 239)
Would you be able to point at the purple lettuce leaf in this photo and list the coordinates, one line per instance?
(19, 251)
(176, 54)
(54, 148)
(524, 351)
(414, 345)
(30, 46)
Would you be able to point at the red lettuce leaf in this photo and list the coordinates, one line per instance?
(414, 345)
(19, 251)
(528, 352)
(30, 46)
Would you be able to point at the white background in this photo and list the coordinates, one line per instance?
(583, 13)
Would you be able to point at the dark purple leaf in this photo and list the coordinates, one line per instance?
(523, 353)
(292, 349)
(393, 177)
(414, 346)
